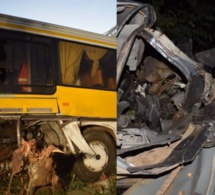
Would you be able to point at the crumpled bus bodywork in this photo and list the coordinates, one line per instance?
(165, 111)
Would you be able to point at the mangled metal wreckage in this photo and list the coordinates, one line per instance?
(165, 111)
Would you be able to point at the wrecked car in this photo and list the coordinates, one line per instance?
(165, 111)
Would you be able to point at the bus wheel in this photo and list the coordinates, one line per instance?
(89, 169)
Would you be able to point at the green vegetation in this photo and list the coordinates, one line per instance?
(18, 186)
(187, 19)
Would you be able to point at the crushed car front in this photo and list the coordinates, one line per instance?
(165, 110)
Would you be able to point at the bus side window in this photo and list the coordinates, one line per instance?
(108, 66)
(90, 71)
(2, 52)
(2, 75)
(87, 66)
(70, 58)
(23, 76)
(111, 83)
(95, 80)
(3, 57)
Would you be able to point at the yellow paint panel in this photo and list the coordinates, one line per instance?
(28, 105)
(75, 35)
(86, 102)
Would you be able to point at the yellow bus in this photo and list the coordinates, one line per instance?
(57, 86)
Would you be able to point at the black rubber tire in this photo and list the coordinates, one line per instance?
(94, 135)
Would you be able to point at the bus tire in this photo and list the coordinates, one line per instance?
(89, 169)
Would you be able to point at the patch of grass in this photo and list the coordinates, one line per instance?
(77, 187)
(17, 184)
(105, 187)
(71, 185)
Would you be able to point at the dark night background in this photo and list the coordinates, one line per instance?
(190, 21)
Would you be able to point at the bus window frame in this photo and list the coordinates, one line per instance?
(79, 86)
(28, 38)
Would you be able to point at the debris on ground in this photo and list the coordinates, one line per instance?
(38, 163)
(40, 171)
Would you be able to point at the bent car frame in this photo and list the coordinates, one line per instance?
(165, 111)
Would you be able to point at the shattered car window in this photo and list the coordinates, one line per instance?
(165, 109)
